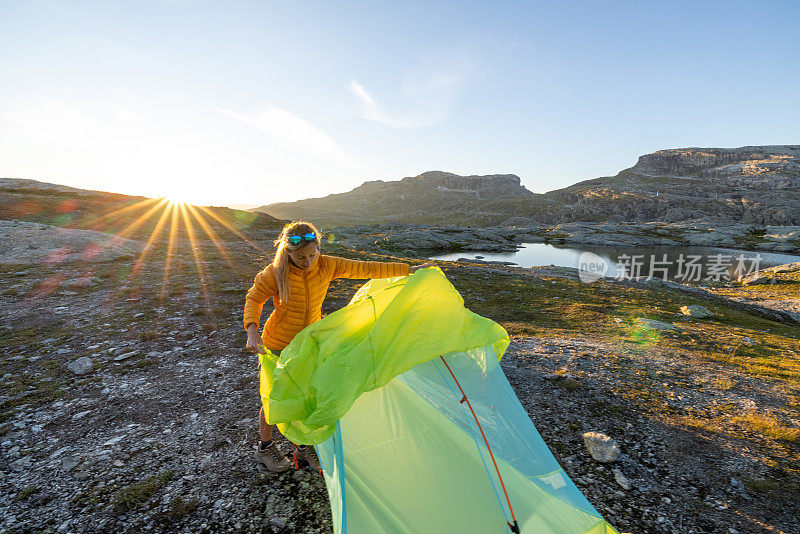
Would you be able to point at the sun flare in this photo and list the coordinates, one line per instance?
(173, 223)
(174, 200)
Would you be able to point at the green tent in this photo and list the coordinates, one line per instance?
(414, 422)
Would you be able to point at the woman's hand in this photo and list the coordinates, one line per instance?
(253, 340)
(412, 269)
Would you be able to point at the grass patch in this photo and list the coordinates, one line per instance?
(568, 384)
(149, 335)
(773, 487)
(178, 509)
(26, 492)
(723, 384)
(6, 415)
(768, 426)
(138, 494)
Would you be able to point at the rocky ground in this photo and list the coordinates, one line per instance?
(34, 243)
(157, 434)
(775, 288)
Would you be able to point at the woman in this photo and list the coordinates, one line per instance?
(297, 281)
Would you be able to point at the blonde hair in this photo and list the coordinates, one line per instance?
(281, 261)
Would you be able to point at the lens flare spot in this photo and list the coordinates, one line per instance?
(245, 218)
(47, 286)
(67, 206)
(91, 250)
(57, 255)
(62, 219)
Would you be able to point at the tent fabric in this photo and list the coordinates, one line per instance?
(390, 325)
(400, 452)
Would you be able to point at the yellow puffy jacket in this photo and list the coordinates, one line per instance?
(308, 290)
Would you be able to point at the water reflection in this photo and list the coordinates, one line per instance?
(678, 263)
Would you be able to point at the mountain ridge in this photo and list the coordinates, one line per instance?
(750, 184)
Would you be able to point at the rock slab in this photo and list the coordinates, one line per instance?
(81, 366)
(602, 448)
(696, 310)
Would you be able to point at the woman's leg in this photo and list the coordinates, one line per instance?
(264, 430)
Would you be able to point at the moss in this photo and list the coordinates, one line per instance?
(723, 384)
(149, 335)
(26, 492)
(774, 487)
(178, 509)
(768, 426)
(568, 384)
(138, 494)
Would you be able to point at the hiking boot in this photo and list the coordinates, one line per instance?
(306, 454)
(273, 458)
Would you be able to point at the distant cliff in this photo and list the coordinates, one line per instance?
(773, 167)
(434, 196)
(753, 184)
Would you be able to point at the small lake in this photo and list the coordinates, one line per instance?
(678, 263)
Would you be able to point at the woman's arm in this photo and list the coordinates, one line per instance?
(344, 268)
(254, 344)
(264, 288)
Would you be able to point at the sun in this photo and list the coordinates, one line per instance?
(174, 200)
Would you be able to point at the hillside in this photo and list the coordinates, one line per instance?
(133, 217)
(433, 197)
(758, 184)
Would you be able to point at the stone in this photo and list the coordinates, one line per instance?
(277, 523)
(602, 448)
(114, 440)
(68, 463)
(760, 280)
(21, 464)
(696, 310)
(125, 356)
(81, 366)
(621, 480)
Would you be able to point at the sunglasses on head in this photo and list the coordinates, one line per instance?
(296, 239)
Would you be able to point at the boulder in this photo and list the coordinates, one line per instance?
(602, 448)
(696, 310)
(658, 325)
(81, 366)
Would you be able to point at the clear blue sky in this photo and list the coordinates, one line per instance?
(258, 102)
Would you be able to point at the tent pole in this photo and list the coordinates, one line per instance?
(514, 527)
